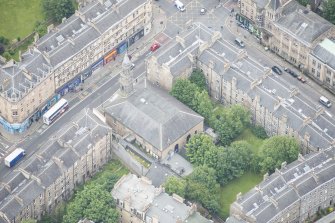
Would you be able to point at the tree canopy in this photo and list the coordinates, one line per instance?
(329, 10)
(198, 147)
(198, 78)
(56, 10)
(174, 185)
(277, 150)
(94, 203)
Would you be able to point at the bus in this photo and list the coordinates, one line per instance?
(14, 157)
(55, 111)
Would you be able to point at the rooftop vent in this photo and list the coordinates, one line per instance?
(60, 38)
(142, 100)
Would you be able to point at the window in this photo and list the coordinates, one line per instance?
(15, 113)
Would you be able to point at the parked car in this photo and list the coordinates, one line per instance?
(300, 78)
(277, 70)
(288, 70)
(180, 6)
(203, 11)
(239, 42)
(132, 66)
(154, 47)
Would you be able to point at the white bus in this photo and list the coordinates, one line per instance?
(55, 111)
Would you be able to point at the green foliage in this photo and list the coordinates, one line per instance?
(174, 185)
(94, 203)
(202, 187)
(184, 91)
(276, 150)
(56, 216)
(56, 10)
(198, 78)
(2, 48)
(4, 40)
(233, 161)
(202, 104)
(329, 10)
(6, 55)
(197, 147)
(304, 2)
(29, 221)
(259, 131)
(41, 28)
(229, 122)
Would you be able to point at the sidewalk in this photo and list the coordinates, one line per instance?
(250, 39)
(108, 71)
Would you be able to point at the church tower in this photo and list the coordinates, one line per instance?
(126, 78)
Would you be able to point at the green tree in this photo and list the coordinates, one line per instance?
(197, 77)
(4, 40)
(41, 28)
(203, 104)
(329, 10)
(202, 187)
(196, 148)
(56, 10)
(259, 131)
(94, 203)
(184, 91)
(2, 48)
(229, 122)
(304, 2)
(175, 185)
(276, 150)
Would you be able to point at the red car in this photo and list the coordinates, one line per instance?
(300, 78)
(154, 47)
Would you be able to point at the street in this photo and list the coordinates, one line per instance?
(218, 17)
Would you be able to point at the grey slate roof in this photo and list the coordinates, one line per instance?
(274, 4)
(304, 26)
(324, 51)
(164, 117)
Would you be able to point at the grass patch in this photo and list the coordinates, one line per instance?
(229, 191)
(18, 17)
(247, 135)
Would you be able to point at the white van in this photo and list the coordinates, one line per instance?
(180, 6)
(323, 100)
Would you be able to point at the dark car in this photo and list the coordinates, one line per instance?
(288, 70)
(277, 70)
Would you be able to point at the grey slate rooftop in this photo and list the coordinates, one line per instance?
(61, 44)
(301, 23)
(164, 117)
(325, 51)
(19, 185)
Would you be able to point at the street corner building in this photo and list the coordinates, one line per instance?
(140, 202)
(60, 61)
(69, 158)
(160, 123)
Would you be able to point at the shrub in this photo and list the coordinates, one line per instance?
(259, 131)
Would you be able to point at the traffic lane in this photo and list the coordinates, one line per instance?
(31, 146)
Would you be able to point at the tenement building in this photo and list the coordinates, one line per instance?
(68, 54)
(67, 159)
(289, 30)
(160, 124)
(292, 194)
(233, 77)
(140, 202)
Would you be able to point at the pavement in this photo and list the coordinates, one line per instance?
(97, 78)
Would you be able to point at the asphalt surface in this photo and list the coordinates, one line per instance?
(218, 17)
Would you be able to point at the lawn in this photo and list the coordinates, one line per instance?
(248, 136)
(229, 191)
(18, 17)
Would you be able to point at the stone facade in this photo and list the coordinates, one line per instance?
(69, 53)
(50, 177)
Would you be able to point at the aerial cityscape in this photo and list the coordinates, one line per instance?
(167, 111)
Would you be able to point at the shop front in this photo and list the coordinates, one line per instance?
(50, 103)
(122, 47)
(110, 56)
(98, 64)
(15, 127)
(86, 73)
(70, 86)
(248, 24)
(136, 37)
